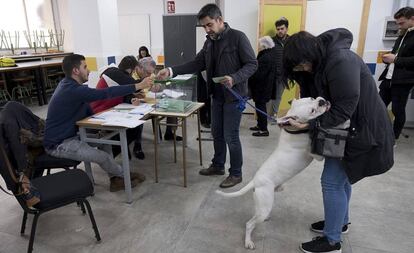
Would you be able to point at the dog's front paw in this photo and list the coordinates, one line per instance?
(249, 244)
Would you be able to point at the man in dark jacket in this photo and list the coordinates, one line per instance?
(398, 77)
(226, 53)
(282, 27)
(325, 66)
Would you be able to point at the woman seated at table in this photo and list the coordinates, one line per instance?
(121, 75)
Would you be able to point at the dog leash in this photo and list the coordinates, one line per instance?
(244, 101)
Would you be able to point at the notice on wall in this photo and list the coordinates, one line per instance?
(170, 7)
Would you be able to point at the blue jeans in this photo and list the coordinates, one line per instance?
(77, 150)
(225, 124)
(336, 191)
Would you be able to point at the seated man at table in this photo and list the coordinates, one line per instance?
(69, 104)
(116, 76)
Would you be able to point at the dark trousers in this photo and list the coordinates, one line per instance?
(261, 119)
(133, 134)
(225, 124)
(397, 94)
(205, 112)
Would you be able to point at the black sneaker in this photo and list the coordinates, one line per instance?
(261, 133)
(212, 170)
(318, 227)
(255, 128)
(320, 245)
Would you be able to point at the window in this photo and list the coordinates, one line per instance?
(20, 18)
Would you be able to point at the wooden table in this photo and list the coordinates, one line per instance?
(182, 122)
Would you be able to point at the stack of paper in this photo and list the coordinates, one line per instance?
(142, 109)
(119, 118)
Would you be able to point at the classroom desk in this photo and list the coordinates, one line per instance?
(39, 67)
(182, 122)
(106, 139)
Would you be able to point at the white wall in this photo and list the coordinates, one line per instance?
(243, 16)
(323, 15)
(155, 9)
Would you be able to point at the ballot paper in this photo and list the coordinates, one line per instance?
(182, 77)
(173, 93)
(125, 106)
(118, 118)
(218, 79)
(124, 122)
(141, 109)
(165, 92)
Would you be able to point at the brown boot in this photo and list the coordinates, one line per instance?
(230, 181)
(137, 176)
(117, 184)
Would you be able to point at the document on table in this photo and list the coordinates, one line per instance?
(142, 109)
(124, 122)
(118, 118)
(125, 106)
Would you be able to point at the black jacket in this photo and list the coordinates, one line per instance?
(234, 56)
(13, 118)
(345, 80)
(262, 81)
(404, 62)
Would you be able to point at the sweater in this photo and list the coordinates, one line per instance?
(69, 104)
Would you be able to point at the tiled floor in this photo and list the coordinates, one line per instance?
(166, 217)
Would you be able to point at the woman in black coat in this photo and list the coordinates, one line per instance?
(325, 66)
(262, 81)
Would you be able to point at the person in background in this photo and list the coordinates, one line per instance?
(282, 27)
(115, 76)
(262, 82)
(142, 72)
(226, 53)
(69, 104)
(398, 78)
(143, 52)
(324, 66)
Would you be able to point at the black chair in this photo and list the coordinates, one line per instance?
(56, 190)
(47, 162)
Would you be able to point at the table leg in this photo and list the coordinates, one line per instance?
(88, 169)
(184, 127)
(155, 124)
(38, 83)
(125, 165)
(199, 137)
(175, 145)
(42, 85)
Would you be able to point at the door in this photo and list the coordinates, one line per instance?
(179, 38)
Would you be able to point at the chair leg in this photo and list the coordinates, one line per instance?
(82, 206)
(32, 233)
(95, 228)
(23, 223)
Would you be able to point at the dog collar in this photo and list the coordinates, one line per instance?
(298, 131)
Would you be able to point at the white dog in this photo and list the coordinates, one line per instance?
(291, 156)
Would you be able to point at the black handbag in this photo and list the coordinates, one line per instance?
(328, 142)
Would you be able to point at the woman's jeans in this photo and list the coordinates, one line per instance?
(336, 191)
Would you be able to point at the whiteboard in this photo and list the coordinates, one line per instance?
(134, 32)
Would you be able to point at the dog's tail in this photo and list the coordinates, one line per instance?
(240, 192)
